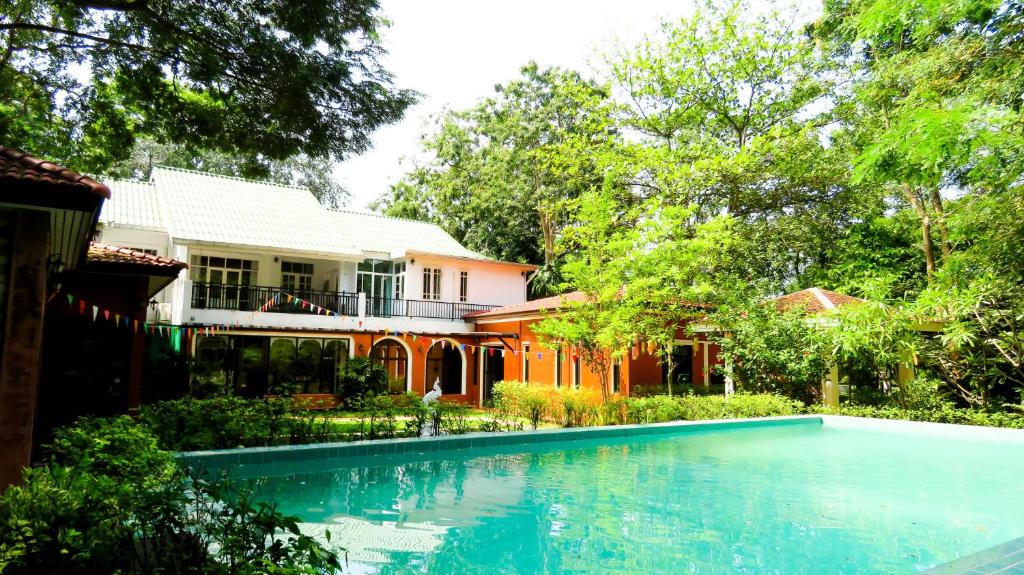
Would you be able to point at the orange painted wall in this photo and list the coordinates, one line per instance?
(645, 370)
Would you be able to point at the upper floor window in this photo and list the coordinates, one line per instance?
(463, 286)
(431, 283)
(149, 251)
(400, 281)
(218, 270)
(296, 276)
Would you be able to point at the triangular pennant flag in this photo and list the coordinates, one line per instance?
(490, 352)
(125, 318)
(414, 337)
(71, 298)
(539, 356)
(117, 318)
(81, 306)
(289, 296)
(462, 346)
(95, 310)
(106, 314)
(502, 353)
(135, 325)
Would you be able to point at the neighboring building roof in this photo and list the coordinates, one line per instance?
(531, 307)
(112, 260)
(225, 210)
(815, 300)
(103, 254)
(377, 233)
(18, 167)
(133, 203)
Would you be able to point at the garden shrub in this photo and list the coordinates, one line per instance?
(519, 400)
(226, 422)
(108, 500)
(661, 408)
(361, 376)
(577, 407)
(944, 412)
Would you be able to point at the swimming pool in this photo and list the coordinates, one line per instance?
(816, 495)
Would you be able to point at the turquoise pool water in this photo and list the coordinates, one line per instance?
(805, 498)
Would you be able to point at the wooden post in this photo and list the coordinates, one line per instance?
(22, 342)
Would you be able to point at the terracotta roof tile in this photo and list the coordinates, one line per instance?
(815, 300)
(532, 306)
(102, 253)
(19, 167)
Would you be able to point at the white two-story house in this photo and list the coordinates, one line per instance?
(292, 289)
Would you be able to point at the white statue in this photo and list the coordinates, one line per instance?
(427, 428)
(434, 393)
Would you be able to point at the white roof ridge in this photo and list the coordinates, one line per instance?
(384, 216)
(226, 177)
(824, 299)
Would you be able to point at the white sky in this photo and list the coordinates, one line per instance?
(454, 51)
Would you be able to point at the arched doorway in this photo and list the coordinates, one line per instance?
(445, 363)
(393, 355)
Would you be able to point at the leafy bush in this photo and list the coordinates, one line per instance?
(578, 407)
(517, 399)
(109, 501)
(362, 376)
(943, 413)
(663, 408)
(226, 422)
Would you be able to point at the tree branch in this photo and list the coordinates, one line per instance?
(74, 34)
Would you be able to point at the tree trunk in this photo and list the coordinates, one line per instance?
(671, 364)
(914, 197)
(547, 228)
(940, 221)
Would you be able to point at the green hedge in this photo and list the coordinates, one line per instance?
(945, 413)
(225, 422)
(661, 408)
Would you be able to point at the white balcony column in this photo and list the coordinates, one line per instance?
(181, 290)
(362, 305)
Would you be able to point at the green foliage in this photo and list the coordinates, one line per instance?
(501, 170)
(771, 351)
(79, 83)
(662, 408)
(312, 173)
(362, 376)
(517, 399)
(944, 412)
(109, 501)
(226, 422)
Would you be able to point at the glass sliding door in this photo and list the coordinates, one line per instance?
(376, 279)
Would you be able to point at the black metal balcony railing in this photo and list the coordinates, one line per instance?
(252, 298)
(429, 309)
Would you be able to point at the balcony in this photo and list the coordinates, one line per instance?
(252, 298)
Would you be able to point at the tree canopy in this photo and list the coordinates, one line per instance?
(81, 81)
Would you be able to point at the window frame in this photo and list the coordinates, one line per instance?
(463, 286)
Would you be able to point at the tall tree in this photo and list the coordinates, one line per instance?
(732, 106)
(80, 80)
(936, 97)
(501, 171)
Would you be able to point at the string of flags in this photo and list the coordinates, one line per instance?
(175, 333)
